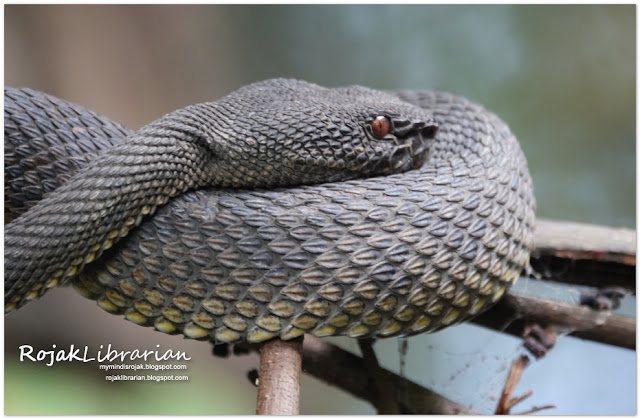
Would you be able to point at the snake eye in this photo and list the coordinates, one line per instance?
(380, 126)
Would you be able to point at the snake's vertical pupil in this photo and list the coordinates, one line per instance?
(380, 126)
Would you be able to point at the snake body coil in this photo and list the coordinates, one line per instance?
(400, 254)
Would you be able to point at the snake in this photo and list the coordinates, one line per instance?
(281, 209)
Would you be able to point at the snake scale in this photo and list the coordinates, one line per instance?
(281, 209)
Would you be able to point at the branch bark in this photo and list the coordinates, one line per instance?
(515, 311)
(585, 254)
(279, 377)
(586, 241)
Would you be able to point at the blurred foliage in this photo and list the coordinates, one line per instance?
(563, 77)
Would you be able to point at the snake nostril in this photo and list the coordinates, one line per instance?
(400, 122)
(429, 131)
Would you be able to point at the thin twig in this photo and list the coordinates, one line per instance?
(279, 377)
(515, 372)
(514, 401)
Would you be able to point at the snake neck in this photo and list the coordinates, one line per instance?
(53, 241)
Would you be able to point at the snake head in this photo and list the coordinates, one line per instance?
(285, 132)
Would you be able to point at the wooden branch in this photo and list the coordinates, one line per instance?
(618, 331)
(385, 401)
(586, 241)
(515, 311)
(279, 377)
(349, 373)
(585, 254)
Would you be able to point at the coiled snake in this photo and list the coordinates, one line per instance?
(439, 230)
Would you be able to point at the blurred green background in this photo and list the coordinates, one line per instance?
(563, 77)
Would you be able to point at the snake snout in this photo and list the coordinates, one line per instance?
(412, 140)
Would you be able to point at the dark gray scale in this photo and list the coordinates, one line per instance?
(46, 141)
(386, 256)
